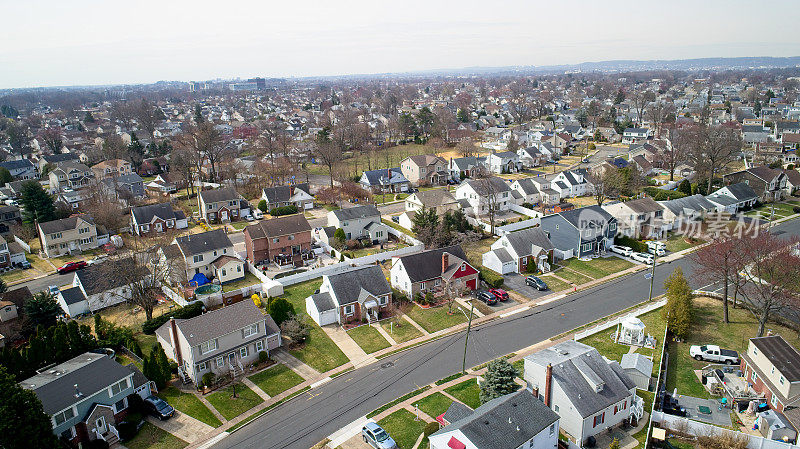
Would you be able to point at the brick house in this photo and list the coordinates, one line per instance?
(353, 296)
(431, 270)
(154, 219)
(769, 184)
(283, 240)
(772, 366)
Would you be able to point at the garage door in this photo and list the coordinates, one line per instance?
(508, 267)
(472, 284)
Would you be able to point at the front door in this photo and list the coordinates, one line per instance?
(158, 227)
(223, 215)
(232, 359)
(100, 425)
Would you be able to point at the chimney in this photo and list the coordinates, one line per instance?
(445, 261)
(548, 379)
(291, 191)
(535, 392)
(176, 347)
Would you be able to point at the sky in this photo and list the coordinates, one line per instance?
(89, 42)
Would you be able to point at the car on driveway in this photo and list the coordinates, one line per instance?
(486, 297)
(622, 250)
(71, 266)
(536, 283)
(158, 407)
(643, 258)
(25, 264)
(376, 437)
(499, 293)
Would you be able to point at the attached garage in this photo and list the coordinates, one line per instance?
(321, 308)
(472, 284)
(499, 260)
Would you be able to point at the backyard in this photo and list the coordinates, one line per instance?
(247, 280)
(276, 379)
(368, 338)
(230, 407)
(189, 404)
(436, 318)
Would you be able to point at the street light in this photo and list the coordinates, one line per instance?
(466, 339)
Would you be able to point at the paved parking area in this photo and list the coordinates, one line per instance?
(717, 417)
(516, 282)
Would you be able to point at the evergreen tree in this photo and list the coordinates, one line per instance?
(163, 367)
(198, 114)
(678, 311)
(60, 343)
(3, 286)
(462, 116)
(76, 343)
(498, 380)
(42, 309)
(88, 118)
(280, 310)
(23, 423)
(37, 205)
(685, 187)
(136, 152)
(5, 176)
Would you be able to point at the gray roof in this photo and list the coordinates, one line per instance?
(782, 355)
(697, 203)
(16, 164)
(523, 240)
(435, 197)
(428, 264)
(280, 194)
(465, 163)
(323, 301)
(130, 178)
(164, 211)
(577, 217)
(348, 287)
(367, 210)
(63, 224)
(644, 205)
(203, 242)
(528, 186)
(639, 362)
(722, 200)
(223, 194)
(55, 387)
(456, 411)
(575, 365)
(285, 225)
(505, 422)
(72, 295)
(380, 177)
(482, 186)
(742, 191)
(219, 322)
(503, 255)
(98, 278)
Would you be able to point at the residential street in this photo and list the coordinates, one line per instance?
(350, 396)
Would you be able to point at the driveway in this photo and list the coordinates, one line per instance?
(516, 282)
(182, 426)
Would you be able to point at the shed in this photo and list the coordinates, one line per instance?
(775, 426)
(639, 368)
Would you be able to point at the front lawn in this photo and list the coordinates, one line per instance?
(436, 318)
(572, 276)
(189, 404)
(151, 437)
(248, 280)
(231, 407)
(434, 405)
(403, 427)
(276, 379)
(677, 242)
(554, 284)
(467, 392)
(368, 338)
(597, 268)
(402, 332)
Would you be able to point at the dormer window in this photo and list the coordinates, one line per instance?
(250, 330)
(208, 346)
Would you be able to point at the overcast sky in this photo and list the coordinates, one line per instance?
(79, 42)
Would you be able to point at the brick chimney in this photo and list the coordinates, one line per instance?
(535, 392)
(175, 344)
(445, 261)
(548, 380)
(291, 191)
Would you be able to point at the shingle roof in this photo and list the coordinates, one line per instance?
(16, 164)
(285, 225)
(223, 194)
(782, 355)
(219, 322)
(164, 211)
(203, 242)
(72, 295)
(764, 172)
(528, 186)
(280, 194)
(639, 362)
(64, 224)
(456, 411)
(428, 264)
(435, 197)
(523, 240)
(351, 213)
(97, 278)
(742, 192)
(577, 216)
(483, 187)
(348, 286)
(644, 205)
(794, 176)
(505, 422)
(379, 177)
(323, 301)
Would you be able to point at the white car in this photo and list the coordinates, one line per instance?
(642, 257)
(623, 250)
(257, 214)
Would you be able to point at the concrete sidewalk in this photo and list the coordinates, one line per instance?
(305, 371)
(350, 348)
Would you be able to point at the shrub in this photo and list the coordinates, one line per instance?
(429, 299)
(662, 195)
(190, 311)
(135, 406)
(283, 210)
(399, 297)
(295, 329)
(624, 240)
(492, 279)
(353, 244)
(262, 206)
(430, 428)
(796, 209)
(527, 205)
(280, 310)
(209, 379)
(592, 147)
(419, 299)
(262, 356)
(127, 430)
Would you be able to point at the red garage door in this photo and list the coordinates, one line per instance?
(472, 284)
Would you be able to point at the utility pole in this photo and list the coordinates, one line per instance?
(466, 339)
(652, 277)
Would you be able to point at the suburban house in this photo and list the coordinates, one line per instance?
(70, 175)
(222, 205)
(9, 215)
(573, 183)
(439, 199)
(433, 270)
(157, 218)
(95, 288)
(464, 167)
(21, 169)
(283, 240)
(531, 157)
(477, 193)
(516, 420)
(75, 199)
(639, 218)
(297, 195)
(772, 367)
(210, 253)
(11, 253)
(580, 232)
(384, 180)
(503, 162)
(682, 211)
(124, 187)
(635, 135)
(792, 181)
(54, 159)
(769, 184)
(528, 189)
(360, 222)
(353, 296)
(590, 393)
(741, 196)
(425, 169)
(112, 168)
(516, 251)
(86, 396)
(221, 341)
(68, 235)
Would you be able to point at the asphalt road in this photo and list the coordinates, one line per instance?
(311, 417)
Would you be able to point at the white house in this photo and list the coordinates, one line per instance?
(361, 293)
(635, 135)
(360, 222)
(478, 191)
(513, 252)
(573, 183)
(503, 162)
(95, 288)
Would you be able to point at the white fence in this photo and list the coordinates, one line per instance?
(403, 236)
(524, 224)
(23, 244)
(174, 296)
(616, 321)
(525, 211)
(269, 286)
(701, 429)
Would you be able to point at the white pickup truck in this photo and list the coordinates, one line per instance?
(713, 353)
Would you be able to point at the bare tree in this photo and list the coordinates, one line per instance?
(466, 148)
(520, 106)
(488, 188)
(148, 116)
(640, 101)
(205, 143)
(606, 185)
(327, 151)
(676, 151)
(718, 262)
(53, 138)
(712, 148)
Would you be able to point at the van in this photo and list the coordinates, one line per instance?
(656, 247)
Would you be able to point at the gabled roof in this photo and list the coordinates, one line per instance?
(206, 241)
(323, 301)
(72, 295)
(423, 160)
(280, 194)
(285, 225)
(505, 422)
(219, 322)
(351, 213)
(428, 264)
(528, 186)
(523, 240)
(485, 186)
(638, 362)
(64, 224)
(216, 195)
(164, 211)
(593, 212)
(16, 164)
(794, 177)
(781, 354)
(644, 205)
(98, 278)
(741, 192)
(385, 177)
(434, 197)
(696, 203)
(764, 173)
(348, 286)
(465, 163)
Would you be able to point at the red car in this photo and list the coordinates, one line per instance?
(71, 266)
(499, 293)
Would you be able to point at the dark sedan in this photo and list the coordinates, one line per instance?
(487, 297)
(159, 407)
(536, 283)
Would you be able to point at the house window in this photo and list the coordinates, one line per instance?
(781, 380)
(215, 253)
(121, 405)
(598, 419)
(118, 387)
(238, 268)
(755, 350)
(774, 401)
(275, 240)
(243, 352)
(464, 267)
(754, 376)
(69, 433)
(62, 417)
(260, 345)
(552, 429)
(349, 309)
(250, 330)
(202, 366)
(555, 407)
(224, 273)
(208, 346)
(198, 258)
(384, 300)
(291, 237)
(437, 282)
(220, 361)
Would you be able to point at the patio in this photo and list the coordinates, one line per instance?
(705, 410)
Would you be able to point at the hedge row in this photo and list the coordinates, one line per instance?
(663, 195)
(624, 240)
(283, 210)
(494, 280)
(192, 310)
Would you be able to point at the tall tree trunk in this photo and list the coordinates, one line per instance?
(725, 301)
(762, 322)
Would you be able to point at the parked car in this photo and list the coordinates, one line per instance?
(713, 353)
(97, 260)
(585, 160)
(257, 214)
(249, 218)
(71, 266)
(619, 249)
(375, 436)
(486, 297)
(396, 218)
(25, 264)
(656, 247)
(642, 257)
(159, 407)
(536, 283)
(499, 293)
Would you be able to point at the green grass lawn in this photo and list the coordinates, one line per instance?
(276, 379)
(231, 407)
(297, 293)
(146, 342)
(467, 392)
(368, 338)
(151, 437)
(404, 332)
(647, 396)
(474, 250)
(434, 405)
(403, 428)
(520, 366)
(247, 280)
(123, 359)
(189, 404)
(654, 326)
(397, 227)
(554, 284)
(572, 276)
(436, 318)
(597, 268)
(676, 242)
(708, 328)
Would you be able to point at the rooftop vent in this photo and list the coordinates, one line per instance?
(78, 393)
